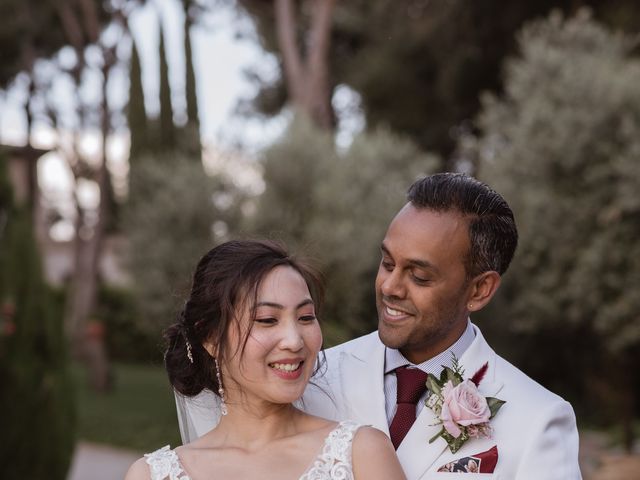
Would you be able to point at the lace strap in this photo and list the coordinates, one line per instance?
(334, 460)
(165, 465)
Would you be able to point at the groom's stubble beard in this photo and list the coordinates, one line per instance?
(428, 332)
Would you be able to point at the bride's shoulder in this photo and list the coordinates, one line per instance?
(384, 464)
(155, 465)
(366, 437)
(138, 471)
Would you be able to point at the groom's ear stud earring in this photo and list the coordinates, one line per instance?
(470, 306)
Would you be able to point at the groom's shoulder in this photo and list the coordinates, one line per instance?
(522, 388)
(516, 383)
(537, 411)
(359, 344)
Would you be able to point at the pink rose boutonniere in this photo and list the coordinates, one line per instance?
(463, 411)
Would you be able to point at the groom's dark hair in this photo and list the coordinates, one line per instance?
(493, 234)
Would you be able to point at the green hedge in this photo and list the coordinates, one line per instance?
(126, 340)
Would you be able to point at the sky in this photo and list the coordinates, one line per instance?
(220, 59)
(224, 44)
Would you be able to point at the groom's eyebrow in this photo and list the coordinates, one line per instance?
(412, 261)
(423, 264)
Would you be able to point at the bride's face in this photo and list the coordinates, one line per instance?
(283, 342)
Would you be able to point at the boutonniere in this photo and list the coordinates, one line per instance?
(462, 410)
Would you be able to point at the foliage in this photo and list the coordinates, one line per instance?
(136, 113)
(169, 219)
(563, 145)
(19, 24)
(170, 213)
(140, 414)
(336, 207)
(33, 29)
(291, 169)
(151, 135)
(167, 137)
(36, 394)
(126, 339)
(420, 66)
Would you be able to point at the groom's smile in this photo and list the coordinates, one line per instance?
(394, 313)
(422, 285)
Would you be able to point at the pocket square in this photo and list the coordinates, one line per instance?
(484, 462)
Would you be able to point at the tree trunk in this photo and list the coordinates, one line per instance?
(86, 342)
(89, 336)
(307, 79)
(82, 27)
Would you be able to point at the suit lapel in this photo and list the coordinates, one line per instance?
(479, 353)
(415, 452)
(362, 383)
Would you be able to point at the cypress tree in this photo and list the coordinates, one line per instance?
(137, 116)
(191, 94)
(36, 395)
(191, 131)
(167, 128)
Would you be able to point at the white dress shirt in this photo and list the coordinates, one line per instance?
(394, 359)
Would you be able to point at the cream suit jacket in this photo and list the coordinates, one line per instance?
(535, 431)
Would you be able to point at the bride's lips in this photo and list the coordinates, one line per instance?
(289, 369)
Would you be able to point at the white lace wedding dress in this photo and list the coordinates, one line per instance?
(333, 462)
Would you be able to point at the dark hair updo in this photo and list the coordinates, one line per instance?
(226, 277)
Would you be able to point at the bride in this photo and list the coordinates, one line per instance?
(249, 332)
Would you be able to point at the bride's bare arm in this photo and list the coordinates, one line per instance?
(138, 471)
(374, 456)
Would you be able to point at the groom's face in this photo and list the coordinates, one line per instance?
(422, 287)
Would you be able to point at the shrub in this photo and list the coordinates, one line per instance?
(36, 393)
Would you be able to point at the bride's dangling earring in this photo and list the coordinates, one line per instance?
(223, 405)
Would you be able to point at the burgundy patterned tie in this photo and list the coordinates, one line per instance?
(411, 386)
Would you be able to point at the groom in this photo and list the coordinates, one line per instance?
(442, 258)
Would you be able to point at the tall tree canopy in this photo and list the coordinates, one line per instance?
(336, 207)
(418, 65)
(563, 144)
(32, 29)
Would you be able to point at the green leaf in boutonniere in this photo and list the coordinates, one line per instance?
(456, 443)
(449, 375)
(433, 385)
(494, 405)
(439, 434)
(453, 443)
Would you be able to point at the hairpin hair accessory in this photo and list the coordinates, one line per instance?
(189, 351)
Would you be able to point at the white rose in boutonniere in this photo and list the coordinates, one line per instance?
(463, 411)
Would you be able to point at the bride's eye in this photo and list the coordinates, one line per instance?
(266, 321)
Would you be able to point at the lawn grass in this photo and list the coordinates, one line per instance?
(138, 414)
